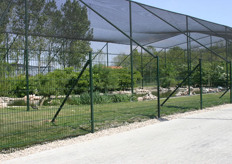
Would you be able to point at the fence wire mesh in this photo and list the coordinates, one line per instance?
(58, 50)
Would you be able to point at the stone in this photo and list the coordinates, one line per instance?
(141, 91)
(149, 96)
(140, 98)
(3, 104)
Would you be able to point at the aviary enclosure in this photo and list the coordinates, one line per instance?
(71, 67)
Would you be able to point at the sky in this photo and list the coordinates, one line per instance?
(218, 11)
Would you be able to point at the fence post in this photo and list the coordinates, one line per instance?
(230, 81)
(142, 67)
(131, 50)
(26, 53)
(201, 101)
(158, 87)
(91, 91)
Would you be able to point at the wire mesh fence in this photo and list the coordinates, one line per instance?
(52, 87)
(114, 104)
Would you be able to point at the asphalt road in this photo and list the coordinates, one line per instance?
(198, 138)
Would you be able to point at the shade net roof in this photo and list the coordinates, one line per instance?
(109, 18)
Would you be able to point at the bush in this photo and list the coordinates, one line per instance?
(84, 99)
(97, 98)
(120, 98)
(168, 82)
(53, 102)
(74, 100)
(59, 82)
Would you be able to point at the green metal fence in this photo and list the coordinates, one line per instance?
(56, 86)
(67, 101)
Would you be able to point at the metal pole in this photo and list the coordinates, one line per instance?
(180, 84)
(107, 52)
(211, 47)
(165, 54)
(227, 54)
(70, 91)
(142, 67)
(26, 52)
(91, 91)
(131, 50)
(201, 102)
(49, 58)
(158, 87)
(188, 53)
(231, 82)
(7, 48)
(190, 62)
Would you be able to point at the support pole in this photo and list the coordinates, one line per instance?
(225, 92)
(165, 55)
(211, 47)
(131, 50)
(49, 58)
(188, 53)
(200, 65)
(7, 48)
(26, 53)
(142, 68)
(107, 53)
(231, 82)
(179, 85)
(70, 91)
(91, 91)
(158, 87)
(227, 54)
(190, 65)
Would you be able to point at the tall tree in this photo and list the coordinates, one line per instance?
(74, 25)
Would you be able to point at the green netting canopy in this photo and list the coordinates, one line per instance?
(150, 26)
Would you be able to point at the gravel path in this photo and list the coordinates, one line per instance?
(136, 128)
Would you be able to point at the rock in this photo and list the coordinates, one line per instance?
(178, 94)
(33, 99)
(141, 91)
(163, 90)
(3, 104)
(149, 96)
(205, 90)
(122, 92)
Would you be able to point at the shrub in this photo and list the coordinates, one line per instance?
(168, 82)
(84, 99)
(120, 98)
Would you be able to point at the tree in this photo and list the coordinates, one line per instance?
(74, 24)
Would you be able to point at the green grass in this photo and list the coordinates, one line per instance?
(21, 128)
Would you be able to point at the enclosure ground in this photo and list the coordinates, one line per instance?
(20, 128)
(193, 137)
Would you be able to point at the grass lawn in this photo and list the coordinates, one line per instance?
(21, 128)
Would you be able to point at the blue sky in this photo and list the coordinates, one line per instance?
(218, 11)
